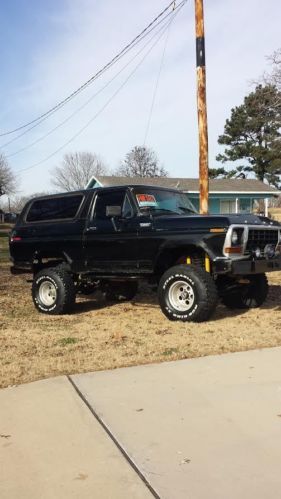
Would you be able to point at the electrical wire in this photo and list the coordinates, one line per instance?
(28, 146)
(156, 86)
(103, 107)
(92, 78)
(98, 74)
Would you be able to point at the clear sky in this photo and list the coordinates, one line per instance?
(48, 48)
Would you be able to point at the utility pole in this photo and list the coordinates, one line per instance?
(202, 108)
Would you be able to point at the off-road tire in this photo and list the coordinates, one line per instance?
(251, 295)
(53, 291)
(124, 291)
(202, 298)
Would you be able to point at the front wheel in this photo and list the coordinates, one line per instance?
(53, 291)
(187, 293)
(251, 295)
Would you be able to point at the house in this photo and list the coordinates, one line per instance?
(225, 196)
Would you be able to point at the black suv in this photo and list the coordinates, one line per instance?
(111, 238)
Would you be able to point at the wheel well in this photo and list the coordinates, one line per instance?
(44, 263)
(174, 256)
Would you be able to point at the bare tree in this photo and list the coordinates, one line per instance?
(7, 178)
(274, 77)
(15, 204)
(76, 170)
(141, 161)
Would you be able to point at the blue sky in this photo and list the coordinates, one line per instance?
(50, 48)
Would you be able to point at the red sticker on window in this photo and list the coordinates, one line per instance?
(146, 200)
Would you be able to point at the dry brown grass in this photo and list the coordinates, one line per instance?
(3, 244)
(275, 213)
(103, 336)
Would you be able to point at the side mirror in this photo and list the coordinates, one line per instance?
(113, 211)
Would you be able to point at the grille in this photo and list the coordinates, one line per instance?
(259, 238)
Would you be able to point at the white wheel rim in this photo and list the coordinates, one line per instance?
(181, 296)
(47, 293)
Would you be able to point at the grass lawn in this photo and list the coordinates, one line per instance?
(275, 213)
(4, 248)
(100, 335)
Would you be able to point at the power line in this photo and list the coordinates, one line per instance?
(28, 146)
(92, 78)
(156, 85)
(103, 107)
(99, 74)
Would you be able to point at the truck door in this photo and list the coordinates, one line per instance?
(110, 238)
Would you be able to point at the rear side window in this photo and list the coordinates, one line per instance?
(54, 208)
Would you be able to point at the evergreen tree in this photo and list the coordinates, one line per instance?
(253, 134)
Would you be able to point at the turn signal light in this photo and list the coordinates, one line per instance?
(233, 249)
(15, 239)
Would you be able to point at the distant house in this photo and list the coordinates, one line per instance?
(10, 217)
(226, 195)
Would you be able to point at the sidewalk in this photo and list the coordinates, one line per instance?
(207, 428)
(51, 447)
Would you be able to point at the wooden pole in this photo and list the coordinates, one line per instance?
(202, 108)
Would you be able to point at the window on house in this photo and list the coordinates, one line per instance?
(228, 206)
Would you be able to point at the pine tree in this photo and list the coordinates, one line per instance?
(253, 134)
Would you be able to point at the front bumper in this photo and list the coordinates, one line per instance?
(245, 267)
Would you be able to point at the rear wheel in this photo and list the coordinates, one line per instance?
(124, 291)
(53, 291)
(187, 293)
(251, 295)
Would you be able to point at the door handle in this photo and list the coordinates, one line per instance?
(91, 229)
(145, 224)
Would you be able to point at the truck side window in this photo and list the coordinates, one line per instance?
(56, 208)
(104, 199)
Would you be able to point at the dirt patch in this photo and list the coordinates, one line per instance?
(99, 335)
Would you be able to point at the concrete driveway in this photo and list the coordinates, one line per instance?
(207, 428)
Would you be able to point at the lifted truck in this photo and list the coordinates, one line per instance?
(111, 238)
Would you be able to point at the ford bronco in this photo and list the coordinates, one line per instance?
(111, 238)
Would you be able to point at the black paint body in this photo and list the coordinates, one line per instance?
(141, 245)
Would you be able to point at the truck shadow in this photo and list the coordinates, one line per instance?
(147, 298)
(90, 303)
(274, 298)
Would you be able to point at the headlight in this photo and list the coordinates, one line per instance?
(269, 251)
(234, 237)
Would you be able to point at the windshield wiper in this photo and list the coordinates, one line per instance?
(185, 209)
(154, 210)
(163, 211)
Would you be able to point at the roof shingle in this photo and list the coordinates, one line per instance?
(192, 184)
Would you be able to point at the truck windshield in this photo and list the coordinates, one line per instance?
(163, 202)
